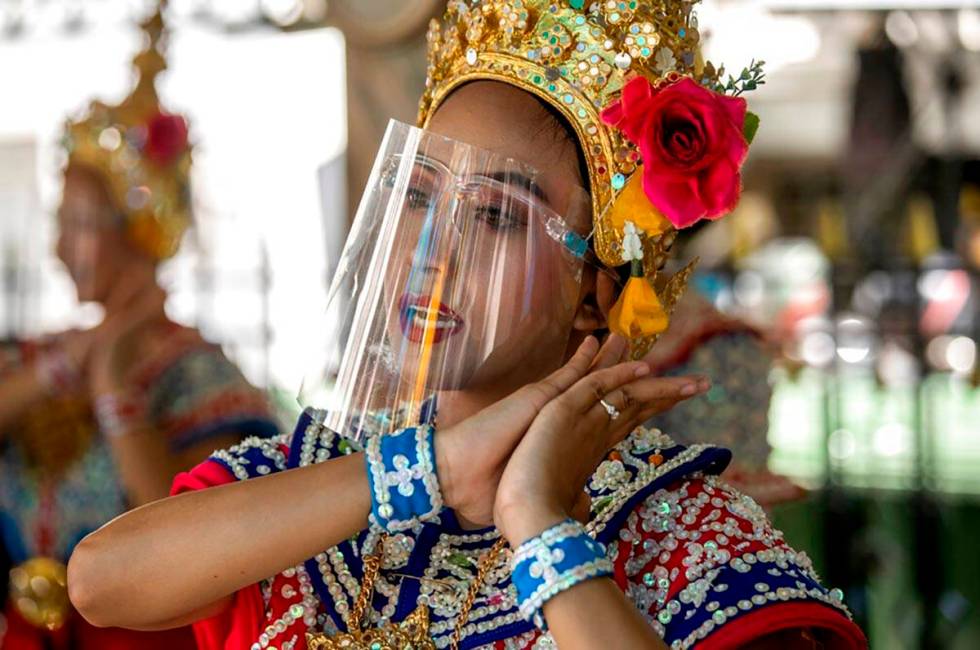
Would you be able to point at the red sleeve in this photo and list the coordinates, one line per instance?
(208, 474)
(841, 633)
(708, 569)
(240, 624)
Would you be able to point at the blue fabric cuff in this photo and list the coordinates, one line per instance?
(554, 561)
(401, 471)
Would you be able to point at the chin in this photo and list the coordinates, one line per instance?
(450, 368)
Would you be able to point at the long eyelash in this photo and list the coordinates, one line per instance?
(508, 222)
(417, 198)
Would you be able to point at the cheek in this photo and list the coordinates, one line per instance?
(111, 253)
(80, 248)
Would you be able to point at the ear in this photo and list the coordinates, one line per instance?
(607, 292)
(596, 300)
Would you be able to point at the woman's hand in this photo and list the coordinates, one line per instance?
(471, 456)
(77, 345)
(131, 306)
(545, 475)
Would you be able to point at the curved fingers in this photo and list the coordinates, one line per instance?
(588, 390)
(612, 352)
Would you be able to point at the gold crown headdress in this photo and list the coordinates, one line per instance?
(662, 133)
(141, 152)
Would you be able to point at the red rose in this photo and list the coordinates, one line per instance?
(166, 138)
(692, 146)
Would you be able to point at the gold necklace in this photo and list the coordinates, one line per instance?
(413, 632)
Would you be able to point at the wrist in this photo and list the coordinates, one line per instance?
(119, 413)
(442, 449)
(401, 473)
(56, 371)
(558, 559)
(523, 523)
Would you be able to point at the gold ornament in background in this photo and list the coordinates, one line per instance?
(970, 204)
(55, 434)
(39, 592)
(969, 239)
(832, 230)
(152, 192)
(921, 231)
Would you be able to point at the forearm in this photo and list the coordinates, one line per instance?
(596, 615)
(177, 556)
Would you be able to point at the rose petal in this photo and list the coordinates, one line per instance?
(166, 138)
(735, 108)
(612, 114)
(635, 93)
(685, 86)
(676, 198)
(719, 187)
(698, 116)
(736, 149)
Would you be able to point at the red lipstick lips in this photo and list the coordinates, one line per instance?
(415, 317)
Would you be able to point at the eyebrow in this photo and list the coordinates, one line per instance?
(508, 177)
(520, 180)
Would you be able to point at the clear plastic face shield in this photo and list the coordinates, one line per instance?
(462, 272)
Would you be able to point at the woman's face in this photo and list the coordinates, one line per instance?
(502, 307)
(92, 242)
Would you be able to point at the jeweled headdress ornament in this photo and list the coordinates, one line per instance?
(664, 134)
(141, 152)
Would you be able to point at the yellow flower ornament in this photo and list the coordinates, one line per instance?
(638, 312)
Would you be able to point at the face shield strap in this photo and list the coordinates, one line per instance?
(582, 248)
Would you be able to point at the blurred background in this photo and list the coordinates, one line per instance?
(856, 247)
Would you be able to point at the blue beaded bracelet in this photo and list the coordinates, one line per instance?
(557, 559)
(401, 470)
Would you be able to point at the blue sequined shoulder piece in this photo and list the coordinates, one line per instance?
(646, 461)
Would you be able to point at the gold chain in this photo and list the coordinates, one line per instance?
(487, 563)
(372, 565)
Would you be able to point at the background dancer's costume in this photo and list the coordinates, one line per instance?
(60, 481)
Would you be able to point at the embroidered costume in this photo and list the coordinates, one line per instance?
(59, 479)
(463, 269)
(697, 558)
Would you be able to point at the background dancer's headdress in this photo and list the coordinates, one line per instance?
(141, 152)
(663, 133)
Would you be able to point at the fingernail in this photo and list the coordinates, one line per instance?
(690, 389)
(641, 370)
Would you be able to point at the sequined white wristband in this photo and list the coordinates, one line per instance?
(554, 561)
(402, 475)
